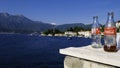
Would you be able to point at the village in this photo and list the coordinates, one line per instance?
(72, 34)
(86, 34)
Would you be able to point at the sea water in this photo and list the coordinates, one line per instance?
(25, 51)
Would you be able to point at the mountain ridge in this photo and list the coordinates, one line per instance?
(20, 23)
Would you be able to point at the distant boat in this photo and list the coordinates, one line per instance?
(34, 34)
(69, 38)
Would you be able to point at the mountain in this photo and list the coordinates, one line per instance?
(67, 26)
(22, 24)
(19, 23)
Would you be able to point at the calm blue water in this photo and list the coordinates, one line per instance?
(24, 51)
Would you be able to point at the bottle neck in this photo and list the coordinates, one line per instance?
(95, 19)
(110, 18)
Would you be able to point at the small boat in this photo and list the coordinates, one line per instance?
(69, 38)
(34, 34)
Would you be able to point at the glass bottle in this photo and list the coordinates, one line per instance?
(110, 44)
(96, 33)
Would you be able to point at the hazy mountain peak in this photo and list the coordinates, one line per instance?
(19, 15)
(4, 14)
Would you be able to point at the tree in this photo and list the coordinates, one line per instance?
(102, 28)
(77, 29)
(53, 32)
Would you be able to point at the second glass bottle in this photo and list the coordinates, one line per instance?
(96, 33)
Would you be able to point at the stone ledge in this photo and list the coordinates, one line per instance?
(92, 54)
(73, 62)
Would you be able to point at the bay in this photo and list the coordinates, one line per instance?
(25, 51)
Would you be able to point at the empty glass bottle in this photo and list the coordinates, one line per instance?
(96, 33)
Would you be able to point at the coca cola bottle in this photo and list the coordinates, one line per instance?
(96, 33)
(110, 43)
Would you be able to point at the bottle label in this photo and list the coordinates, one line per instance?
(95, 31)
(110, 31)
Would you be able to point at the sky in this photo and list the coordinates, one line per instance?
(62, 11)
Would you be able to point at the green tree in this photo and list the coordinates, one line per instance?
(102, 28)
(52, 31)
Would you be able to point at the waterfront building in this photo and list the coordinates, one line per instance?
(69, 33)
